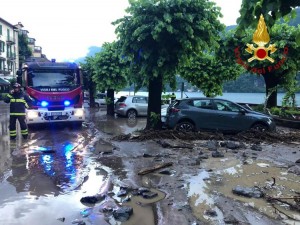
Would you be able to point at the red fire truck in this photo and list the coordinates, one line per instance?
(56, 88)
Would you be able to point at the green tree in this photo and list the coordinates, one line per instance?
(210, 70)
(24, 50)
(273, 10)
(88, 84)
(109, 72)
(158, 35)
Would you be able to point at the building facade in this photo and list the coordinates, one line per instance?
(9, 56)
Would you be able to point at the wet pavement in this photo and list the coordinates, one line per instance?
(44, 179)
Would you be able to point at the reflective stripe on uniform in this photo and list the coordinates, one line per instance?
(8, 95)
(24, 132)
(17, 114)
(13, 133)
(18, 100)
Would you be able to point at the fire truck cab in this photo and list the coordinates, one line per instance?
(56, 90)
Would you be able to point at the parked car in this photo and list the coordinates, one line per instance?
(100, 99)
(194, 114)
(135, 105)
(132, 106)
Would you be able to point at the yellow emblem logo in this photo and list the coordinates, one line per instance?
(261, 37)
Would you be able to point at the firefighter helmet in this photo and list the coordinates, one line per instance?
(17, 85)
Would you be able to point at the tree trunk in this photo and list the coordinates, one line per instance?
(271, 89)
(110, 102)
(154, 103)
(92, 88)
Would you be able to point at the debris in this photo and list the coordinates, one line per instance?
(123, 213)
(62, 219)
(91, 199)
(252, 192)
(149, 170)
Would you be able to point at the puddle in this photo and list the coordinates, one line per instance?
(200, 199)
(229, 173)
(23, 207)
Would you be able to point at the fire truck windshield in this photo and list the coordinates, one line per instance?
(53, 78)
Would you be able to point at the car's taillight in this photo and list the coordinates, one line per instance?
(174, 110)
(122, 105)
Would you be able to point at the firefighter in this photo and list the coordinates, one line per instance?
(173, 97)
(18, 102)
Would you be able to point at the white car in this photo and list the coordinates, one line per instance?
(100, 100)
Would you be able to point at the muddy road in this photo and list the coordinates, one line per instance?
(107, 173)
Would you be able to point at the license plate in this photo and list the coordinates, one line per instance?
(56, 113)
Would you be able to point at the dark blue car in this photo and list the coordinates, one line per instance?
(215, 114)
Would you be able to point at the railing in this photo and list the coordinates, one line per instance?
(11, 55)
(10, 40)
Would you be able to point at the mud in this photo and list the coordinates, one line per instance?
(44, 179)
(199, 189)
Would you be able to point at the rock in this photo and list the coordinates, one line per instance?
(256, 147)
(91, 199)
(294, 169)
(62, 219)
(165, 172)
(122, 192)
(147, 155)
(204, 156)
(212, 145)
(217, 154)
(143, 190)
(149, 195)
(298, 161)
(230, 219)
(78, 222)
(211, 213)
(127, 199)
(232, 145)
(123, 213)
(251, 192)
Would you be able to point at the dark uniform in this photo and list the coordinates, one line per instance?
(18, 102)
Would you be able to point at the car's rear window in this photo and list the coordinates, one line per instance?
(122, 99)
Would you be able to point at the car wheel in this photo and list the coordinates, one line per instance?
(131, 113)
(259, 127)
(97, 105)
(185, 126)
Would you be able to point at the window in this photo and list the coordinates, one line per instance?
(2, 46)
(203, 103)
(0, 29)
(139, 100)
(226, 106)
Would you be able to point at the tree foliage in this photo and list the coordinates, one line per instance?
(209, 70)
(281, 72)
(24, 50)
(272, 10)
(109, 72)
(109, 69)
(158, 35)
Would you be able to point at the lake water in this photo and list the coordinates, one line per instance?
(252, 98)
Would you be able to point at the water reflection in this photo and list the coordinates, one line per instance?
(48, 167)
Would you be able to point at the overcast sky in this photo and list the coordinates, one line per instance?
(65, 29)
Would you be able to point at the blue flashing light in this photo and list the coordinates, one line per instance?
(44, 103)
(67, 103)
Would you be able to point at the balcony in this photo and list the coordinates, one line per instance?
(2, 56)
(11, 56)
(10, 40)
(5, 71)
